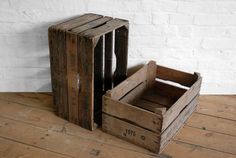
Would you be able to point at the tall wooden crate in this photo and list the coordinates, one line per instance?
(81, 64)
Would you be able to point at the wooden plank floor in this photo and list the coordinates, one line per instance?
(29, 128)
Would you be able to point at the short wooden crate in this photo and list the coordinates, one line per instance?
(150, 106)
(81, 64)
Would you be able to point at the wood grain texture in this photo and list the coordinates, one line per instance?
(138, 116)
(220, 107)
(78, 21)
(183, 78)
(91, 24)
(130, 132)
(34, 100)
(208, 139)
(128, 84)
(59, 143)
(43, 118)
(177, 149)
(211, 123)
(73, 78)
(32, 113)
(177, 123)
(10, 149)
(175, 109)
(86, 81)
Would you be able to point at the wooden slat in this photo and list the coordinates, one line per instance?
(217, 109)
(130, 132)
(175, 109)
(135, 93)
(154, 107)
(86, 80)
(12, 149)
(63, 73)
(108, 60)
(78, 21)
(130, 83)
(138, 116)
(108, 27)
(72, 69)
(178, 122)
(98, 80)
(208, 139)
(177, 149)
(56, 80)
(121, 52)
(154, 95)
(169, 90)
(59, 142)
(211, 123)
(91, 24)
(180, 77)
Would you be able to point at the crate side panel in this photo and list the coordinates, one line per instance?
(138, 116)
(179, 105)
(130, 83)
(178, 122)
(131, 133)
(134, 93)
(183, 78)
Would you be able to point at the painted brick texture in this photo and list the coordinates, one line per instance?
(190, 35)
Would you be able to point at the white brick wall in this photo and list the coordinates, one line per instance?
(190, 35)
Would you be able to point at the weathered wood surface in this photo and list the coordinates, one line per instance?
(128, 84)
(122, 103)
(77, 57)
(183, 78)
(86, 81)
(177, 123)
(135, 114)
(34, 110)
(139, 135)
(175, 109)
(130, 132)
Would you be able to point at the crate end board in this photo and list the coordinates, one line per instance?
(81, 58)
(143, 105)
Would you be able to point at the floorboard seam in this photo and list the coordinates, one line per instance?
(202, 146)
(36, 146)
